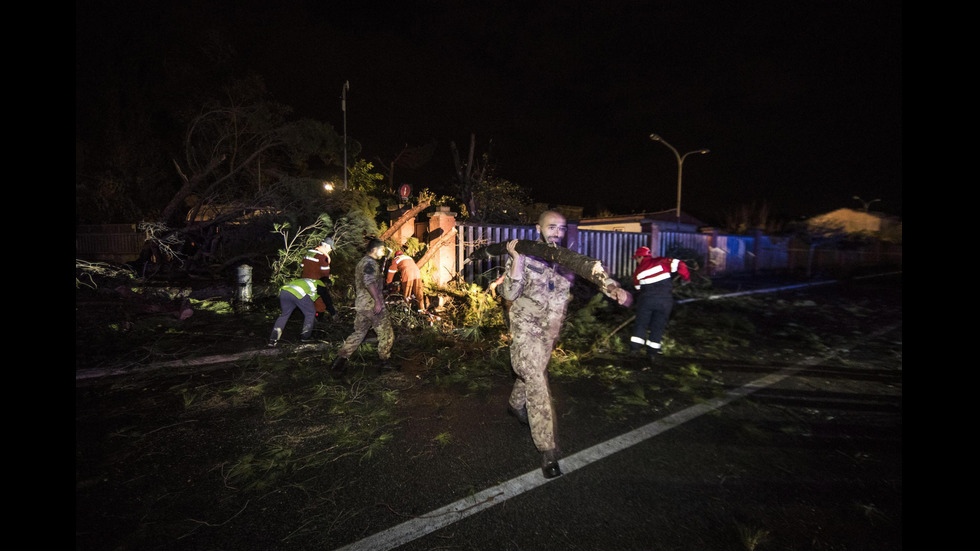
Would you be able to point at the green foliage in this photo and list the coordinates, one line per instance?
(588, 325)
(310, 138)
(692, 379)
(349, 220)
(335, 421)
(288, 265)
(750, 537)
(413, 247)
(475, 366)
(501, 201)
(362, 178)
(474, 312)
(95, 274)
(710, 329)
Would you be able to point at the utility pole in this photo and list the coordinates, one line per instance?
(343, 107)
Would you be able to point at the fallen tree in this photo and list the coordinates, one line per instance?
(410, 214)
(583, 266)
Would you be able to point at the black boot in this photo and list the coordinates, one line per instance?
(521, 414)
(549, 464)
(339, 367)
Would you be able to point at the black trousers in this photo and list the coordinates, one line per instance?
(652, 314)
(324, 293)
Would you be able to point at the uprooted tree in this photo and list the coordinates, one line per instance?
(236, 166)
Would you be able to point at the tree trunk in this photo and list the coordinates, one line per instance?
(411, 213)
(584, 266)
(435, 246)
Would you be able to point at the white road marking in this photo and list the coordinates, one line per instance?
(444, 516)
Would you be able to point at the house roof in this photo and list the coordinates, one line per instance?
(659, 216)
(855, 221)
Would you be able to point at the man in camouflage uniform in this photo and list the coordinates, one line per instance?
(370, 309)
(540, 293)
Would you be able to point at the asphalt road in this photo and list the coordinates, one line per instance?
(800, 456)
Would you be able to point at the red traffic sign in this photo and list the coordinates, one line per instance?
(404, 191)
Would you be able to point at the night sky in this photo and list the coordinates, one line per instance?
(799, 102)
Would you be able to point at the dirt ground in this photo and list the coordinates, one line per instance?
(269, 452)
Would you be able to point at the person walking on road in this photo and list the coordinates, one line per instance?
(410, 279)
(539, 292)
(370, 311)
(298, 293)
(653, 278)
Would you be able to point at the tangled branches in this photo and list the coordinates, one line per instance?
(85, 273)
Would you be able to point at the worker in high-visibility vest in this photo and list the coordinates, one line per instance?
(298, 293)
(316, 265)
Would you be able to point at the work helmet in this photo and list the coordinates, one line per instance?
(641, 252)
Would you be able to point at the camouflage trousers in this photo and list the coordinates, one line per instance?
(530, 352)
(364, 322)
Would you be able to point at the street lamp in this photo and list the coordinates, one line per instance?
(866, 203)
(680, 166)
(343, 107)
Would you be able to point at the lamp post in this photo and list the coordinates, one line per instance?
(867, 204)
(680, 167)
(343, 107)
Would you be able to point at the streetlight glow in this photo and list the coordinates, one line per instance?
(680, 166)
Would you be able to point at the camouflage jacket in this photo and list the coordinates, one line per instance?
(367, 274)
(540, 296)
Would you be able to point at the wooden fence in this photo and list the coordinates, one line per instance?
(117, 243)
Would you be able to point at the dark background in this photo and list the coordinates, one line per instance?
(799, 102)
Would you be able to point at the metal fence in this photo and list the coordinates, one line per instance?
(470, 237)
(614, 249)
(714, 254)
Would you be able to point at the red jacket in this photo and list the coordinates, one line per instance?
(655, 273)
(406, 268)
(316, 265)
